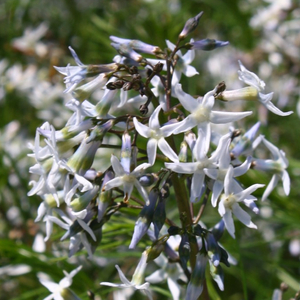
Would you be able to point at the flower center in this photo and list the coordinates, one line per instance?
(229, 201)
(128, 178)
(201, 114)
(156, 134)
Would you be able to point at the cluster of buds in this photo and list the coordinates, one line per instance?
(82, 189)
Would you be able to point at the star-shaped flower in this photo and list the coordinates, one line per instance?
(277, 165)
(170, 272)
(202, 114)
(61, 290)
(229, 202)
(156, 135)
(199, 166)
(137, 278)
(75, 74)
(254, 81)
(219, 174)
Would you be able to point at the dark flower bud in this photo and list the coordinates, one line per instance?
(146, 180)
(159, 217)
(143, 109)
(184, 250)
(224, 256)
(190, 26)
(145, 218)
(199, 231)
(173, 230)
(218, 230)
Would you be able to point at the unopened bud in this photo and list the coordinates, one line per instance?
(145, 218)
(157, 248)
(190, 26)
(207, 44)
(184, 250)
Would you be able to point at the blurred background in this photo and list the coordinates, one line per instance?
(34, 37)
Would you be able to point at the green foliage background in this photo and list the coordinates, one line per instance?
(86, 26)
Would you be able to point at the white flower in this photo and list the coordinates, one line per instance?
(61, 290)
(183, 64)
(219, 174)
(229, 203)
(277, 165)
(199, 166)
(137, 278)
(170, 272)
(202, 114)
(254, 81)
(128, 179)
(156, 135)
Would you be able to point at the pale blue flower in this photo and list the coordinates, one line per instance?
(277, 166)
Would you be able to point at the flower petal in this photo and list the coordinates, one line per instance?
(167, 150)
(187, 101)
(142, 129)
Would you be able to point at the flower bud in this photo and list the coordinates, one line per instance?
(212, 248)
(159, 216)
(83, 158)
(244, 144)
(207, 44)
(195, 286)
(157, 248)
(217, 274)
(190, 26)
(137, 45)
(145, 218)
(146, 180)
(68, 294)
(183, 152)
(98, 133)
(83, 201)
(83, 92)
(104, 197)
(126, 152)
(248, 93)
(184, 250)
(127, 51)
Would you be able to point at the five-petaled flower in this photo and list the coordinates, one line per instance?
(229, 203)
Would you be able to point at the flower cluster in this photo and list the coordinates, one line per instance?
(81, 189)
